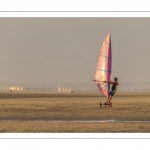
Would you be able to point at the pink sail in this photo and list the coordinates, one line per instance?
(103, 69)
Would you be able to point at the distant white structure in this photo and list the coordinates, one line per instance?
(59, 89)
(12, 89)
(67, 90)
(22, 89)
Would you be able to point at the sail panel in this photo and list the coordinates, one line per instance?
(103, 69)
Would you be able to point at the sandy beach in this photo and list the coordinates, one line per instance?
(74, 113)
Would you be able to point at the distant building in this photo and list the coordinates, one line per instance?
(59, 89)
(67, 90)
(12, 89)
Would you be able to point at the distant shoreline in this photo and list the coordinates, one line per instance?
(11, 95)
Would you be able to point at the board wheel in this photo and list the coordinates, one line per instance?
(110, 104)
(100, 104)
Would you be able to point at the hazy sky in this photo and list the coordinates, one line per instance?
(55, 49)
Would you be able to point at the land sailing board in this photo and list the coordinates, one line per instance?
(110, 104)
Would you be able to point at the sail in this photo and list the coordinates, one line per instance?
(103, 69)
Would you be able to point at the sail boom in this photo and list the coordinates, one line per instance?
(105, 56)
(105, 70)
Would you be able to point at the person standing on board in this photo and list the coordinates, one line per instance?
(113, 88)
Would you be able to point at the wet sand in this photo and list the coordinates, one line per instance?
(33, 112)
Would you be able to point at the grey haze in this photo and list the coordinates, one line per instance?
(42, 51)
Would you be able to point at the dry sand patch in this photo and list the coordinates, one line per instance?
(29, 107)
(72, 127)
